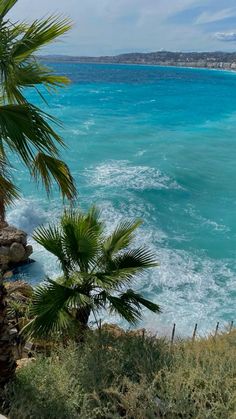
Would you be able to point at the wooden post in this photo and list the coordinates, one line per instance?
(231, 326)
(100, 324)
(194, 332)
(173, 334)
(217, 329)
(143, 334)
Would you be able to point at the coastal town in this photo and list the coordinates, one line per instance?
(211, 60)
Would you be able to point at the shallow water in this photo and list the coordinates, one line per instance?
(160, 144)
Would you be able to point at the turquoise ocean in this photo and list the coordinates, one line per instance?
(159, 144)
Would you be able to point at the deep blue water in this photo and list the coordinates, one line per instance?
(160, 144)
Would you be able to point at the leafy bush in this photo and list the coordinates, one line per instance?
(125, 375)
(201, 382)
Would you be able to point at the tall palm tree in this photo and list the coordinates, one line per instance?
(26, 130)
(97, 269)
(7, 361)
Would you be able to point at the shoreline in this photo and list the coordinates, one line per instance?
(58, 61)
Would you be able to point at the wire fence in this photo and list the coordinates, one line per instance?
(195, 330)
(173, 336)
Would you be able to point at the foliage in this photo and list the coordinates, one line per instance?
(201, 381)
(98, 268)
(116, 375)
(19, 295)
(25, 129)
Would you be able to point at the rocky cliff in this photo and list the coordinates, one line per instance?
(13, 247)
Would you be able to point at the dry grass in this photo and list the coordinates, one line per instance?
(124, 375)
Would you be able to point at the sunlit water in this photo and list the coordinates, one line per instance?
(160, 144)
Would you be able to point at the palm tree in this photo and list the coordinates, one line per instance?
(97, 269)
(25, 130)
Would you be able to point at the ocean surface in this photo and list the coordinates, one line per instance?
(158, 144)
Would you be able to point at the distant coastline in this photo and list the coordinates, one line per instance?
(208, 60)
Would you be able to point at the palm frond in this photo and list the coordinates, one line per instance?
(46, 168)
(120, 238)
(129, 304)
(80, 240)
(138, 300)
(51, 305)
(51, 239)
(124, 308)
(6, 6)
(123, 268)
(93, 218)
(29, 74)
(44, 326)
(24, 129)
(40, 33)
(140, 259)
(8, 191)
(114, 280)
(61, 296)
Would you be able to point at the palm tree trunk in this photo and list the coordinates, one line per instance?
(82, 315)
(7, 361)
(2, 213)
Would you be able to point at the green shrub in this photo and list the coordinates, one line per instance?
(201, 382)
(125, 375)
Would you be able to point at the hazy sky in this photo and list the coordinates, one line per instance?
(116, 26)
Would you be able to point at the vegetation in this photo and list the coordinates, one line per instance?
(97, 269)
(116, 374)
(7, 361)
(109, 373)
(25, 129)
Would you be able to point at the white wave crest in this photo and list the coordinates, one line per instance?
(120, 174)
(190, 287)
(26, 214)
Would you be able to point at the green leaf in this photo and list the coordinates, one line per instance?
(80, 239)
(51, 239)
(139, 259)
(8, 191)
(29, 74)
(51, 307)
(138, 300)
(24, 129)
(120, 238)
(40, 33)
(46, 168)
(6, 6)
(124, 309)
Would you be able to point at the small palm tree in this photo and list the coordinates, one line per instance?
(97, 270)
(25, 130)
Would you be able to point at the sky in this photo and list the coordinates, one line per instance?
(108, 27)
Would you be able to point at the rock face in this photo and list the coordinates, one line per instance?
(13, 247)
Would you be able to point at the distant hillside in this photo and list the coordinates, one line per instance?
(220, 60)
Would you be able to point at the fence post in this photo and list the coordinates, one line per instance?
(143, 334)
(194, 332)
(217, 329)
(173, 334)
(231, 326)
